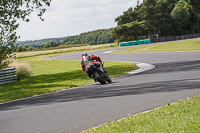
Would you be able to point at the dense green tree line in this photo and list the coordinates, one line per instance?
(165, 17)
(41, 42)
(101, 36)
(92, 38)
(95, 37)
(30, 48)
(24, 48)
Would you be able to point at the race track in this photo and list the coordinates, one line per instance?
(176, 76)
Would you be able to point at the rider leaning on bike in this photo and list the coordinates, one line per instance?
(87, 61)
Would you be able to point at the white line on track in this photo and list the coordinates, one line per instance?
(107, 52)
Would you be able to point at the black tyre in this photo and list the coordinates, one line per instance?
(99, 76)
(109, 80)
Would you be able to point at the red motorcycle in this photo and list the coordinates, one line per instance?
(99, 73)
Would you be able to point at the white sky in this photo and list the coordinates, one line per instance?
(73, 17)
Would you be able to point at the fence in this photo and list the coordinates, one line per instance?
(161, 39)
(8, 75)
(174, 38)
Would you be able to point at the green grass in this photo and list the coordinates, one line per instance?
(54, 75)
(64, 50)
(186, 45)
(182, 116)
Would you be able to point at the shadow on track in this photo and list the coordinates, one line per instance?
(107, 91)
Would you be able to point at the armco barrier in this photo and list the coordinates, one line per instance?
(8, 75)
(195, 35)
(174, 38)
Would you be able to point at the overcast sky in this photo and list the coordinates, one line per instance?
(73, 17)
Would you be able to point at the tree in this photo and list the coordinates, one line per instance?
(196, 7)
(148, 12)
(127, 17)
(98, 36)
(19, 49)
(30, 48)
(26, 46)
(91, 43)
(166, 17)
(130, 31)
(163, 20)
(24, 49)
(50, 44)
(181, 12)
(10, 12)
(184, 16)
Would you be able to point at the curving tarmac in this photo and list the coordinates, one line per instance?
(176, 76)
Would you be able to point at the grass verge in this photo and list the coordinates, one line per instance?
(185, 45)
(181, 116)
(64, 50)
(54, 75)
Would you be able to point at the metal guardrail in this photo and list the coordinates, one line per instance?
(174, 38)
(8, 75)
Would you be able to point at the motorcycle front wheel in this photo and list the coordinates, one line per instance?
(99, 76)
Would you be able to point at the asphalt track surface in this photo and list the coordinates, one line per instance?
(176, 76)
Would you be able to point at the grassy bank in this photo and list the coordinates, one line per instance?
(185, 45)
(54, 75)
(64, 50)
(182, 116)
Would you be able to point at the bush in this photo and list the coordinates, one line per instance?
(91, 43)
(50, 44)
(197, 41)
(19, 49)
(23, 69)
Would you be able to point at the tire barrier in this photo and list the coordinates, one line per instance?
(138, 42)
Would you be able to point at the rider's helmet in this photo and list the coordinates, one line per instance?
(84, 56)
